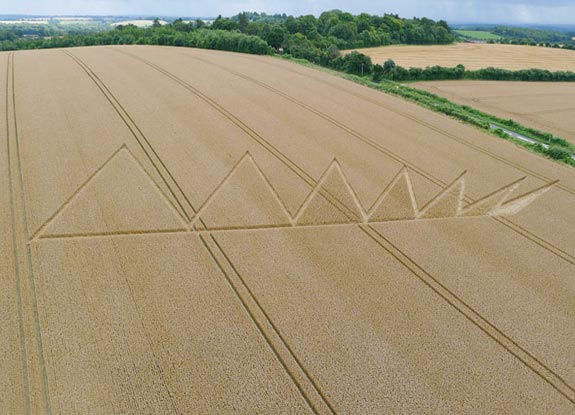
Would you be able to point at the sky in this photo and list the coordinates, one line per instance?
(458, 11)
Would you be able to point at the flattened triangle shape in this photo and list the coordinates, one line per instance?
(521, 202)
(119, 198)
(447, 203)
(396, 202)
(331, 201)
(490, 203)
(245, 199)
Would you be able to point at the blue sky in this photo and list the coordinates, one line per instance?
(483, 11)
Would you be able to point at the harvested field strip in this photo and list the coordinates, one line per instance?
(22, 234)
(536, 239)
(477, 319)
(103, 88)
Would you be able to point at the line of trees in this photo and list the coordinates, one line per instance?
(177, 34)
(389, 70)
(314, 38)
(533, 35)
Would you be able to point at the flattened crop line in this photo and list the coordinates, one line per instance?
(102, 86)
(250, 132)
(25, 376)
(262, 331)
(431, 126)
(326, 117)
(515, 227)
(523, 355)
(124, 115)
(276, 329)
(536, 239)
(75, 193)
(112, 234)
(212, 254)
(26, 235)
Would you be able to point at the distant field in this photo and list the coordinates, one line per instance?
(478, 34)
(23, 21)
(139, 23)
(542, 105)
(76, 21)
(476, 56)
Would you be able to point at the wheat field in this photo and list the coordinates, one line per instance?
(475, 56)
(198, 232)
(542, 105)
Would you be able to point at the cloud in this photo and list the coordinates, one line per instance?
(485, 11)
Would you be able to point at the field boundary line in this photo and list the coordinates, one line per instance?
(510, 345)
(25, 236)
(17, 272)
(212, 254)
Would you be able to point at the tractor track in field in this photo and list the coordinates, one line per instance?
(319, 404)
(35, 372)
(524, 356)
(372, 143)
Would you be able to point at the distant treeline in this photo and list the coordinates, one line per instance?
(528, 42)
(533, 35)
(306, 36)
(167, 35)
(389, 70)
(17, 31)
(10, 33)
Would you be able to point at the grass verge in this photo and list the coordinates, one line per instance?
(558, 148)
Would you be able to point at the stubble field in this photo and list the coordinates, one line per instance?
(542, 105)
(475, 56)
(189, 231)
